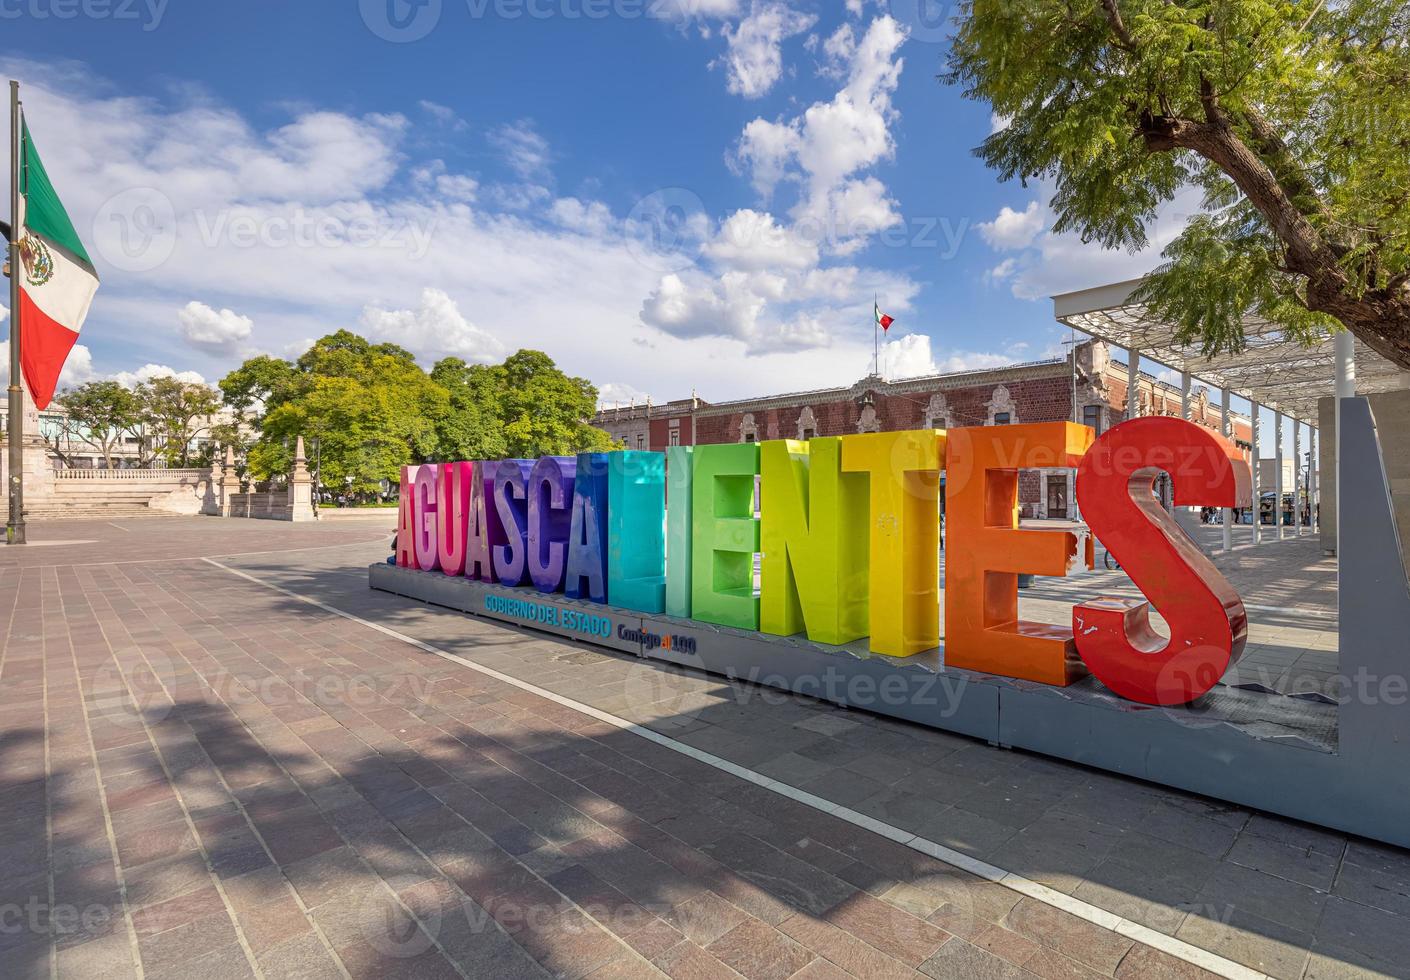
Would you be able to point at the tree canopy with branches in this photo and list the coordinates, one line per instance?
(1292, 117)
(373, 409)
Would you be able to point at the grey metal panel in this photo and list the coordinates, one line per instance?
(1346, 767)
(1373, 603)
(528, 607)
(916, 689)
(1220, 761)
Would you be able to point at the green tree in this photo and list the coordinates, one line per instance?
(171, 415)
(255, 385)
(102, 413)
(375, 410)
(543, 411)
(471, 429)
(1291, 116)
(370, 405)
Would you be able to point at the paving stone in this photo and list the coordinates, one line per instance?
(1261, 944)
(1367, 886)
(1244, 890)
(896, 933)
(959, 960)
(392, 776)
(1067, 934)
(759, 952)
(1302, 863)
(853, 955)
(300, 958)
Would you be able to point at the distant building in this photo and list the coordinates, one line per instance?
(68, 447)
(652, 427)
(1039, 391)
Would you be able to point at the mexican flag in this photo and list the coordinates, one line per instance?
(882, 320)
(57, 281)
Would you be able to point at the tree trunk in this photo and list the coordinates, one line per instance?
(1378, 318)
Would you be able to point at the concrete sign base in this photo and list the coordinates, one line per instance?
(1343, 766)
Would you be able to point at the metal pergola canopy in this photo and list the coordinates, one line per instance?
(1275, 371)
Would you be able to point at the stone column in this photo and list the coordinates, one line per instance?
(210, 499)
(300, 486)
(229, 484)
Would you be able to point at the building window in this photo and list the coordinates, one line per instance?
(675, 437)
(1001, 418)
(1092, 416)
(640, 441)
(809, 433)
(748, 437)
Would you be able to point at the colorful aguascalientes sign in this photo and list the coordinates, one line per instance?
(848, 534)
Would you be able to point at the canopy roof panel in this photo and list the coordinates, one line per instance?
(1273, 370)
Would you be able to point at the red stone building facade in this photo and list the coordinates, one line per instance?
(1041, 391)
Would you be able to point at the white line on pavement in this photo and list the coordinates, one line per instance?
(1177, 948)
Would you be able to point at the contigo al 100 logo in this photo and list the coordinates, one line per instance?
(847, 540)
(657, 641)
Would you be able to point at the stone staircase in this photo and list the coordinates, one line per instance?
(106, 495)
(94, 508)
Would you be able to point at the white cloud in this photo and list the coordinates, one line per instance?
(831, 141)
(908, 357)
(724, 307)
(753, 240)
(973, 361)
(770, 290)
(838, 50)
(444, 115)
(147, 372)
(435, 327)
(913, 356)
(523, 149)
(1014, 229)
(588, 217)
(77, 370)
(1002, 272)
(617, 393)
(563, 278)
(694, 10)
(765, 150)
(223, 330)
(1062, 263)
(754, 60)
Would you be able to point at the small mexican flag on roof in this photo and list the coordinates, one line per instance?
(882, 320)
(57, 281)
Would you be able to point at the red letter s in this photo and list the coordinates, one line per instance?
(1208, 625)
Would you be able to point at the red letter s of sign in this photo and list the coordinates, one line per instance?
(1116, 493)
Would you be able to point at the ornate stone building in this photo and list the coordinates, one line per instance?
(1039, 391)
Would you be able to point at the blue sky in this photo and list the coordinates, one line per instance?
(662, 194)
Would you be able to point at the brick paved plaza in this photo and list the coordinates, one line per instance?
(204, 775)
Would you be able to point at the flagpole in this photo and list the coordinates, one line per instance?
(875, 338)
(14, 530)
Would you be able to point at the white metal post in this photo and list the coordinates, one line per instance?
(1297, 478)
(1253, 414)
(1225, 426)
(1133, 379)
(1278, 474)
(1344, 344)
(1185, 395)
(1314, 478)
